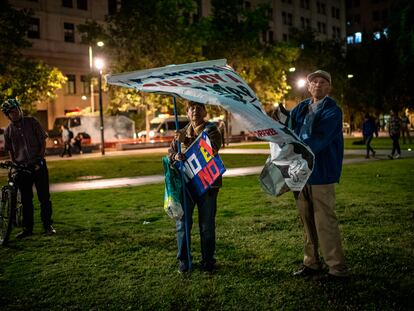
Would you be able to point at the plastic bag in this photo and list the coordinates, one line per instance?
(173, 191)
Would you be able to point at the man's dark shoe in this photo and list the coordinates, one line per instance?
(306, 271)
(49, 230)
(208, 267)
(183, 266)
(24, 234)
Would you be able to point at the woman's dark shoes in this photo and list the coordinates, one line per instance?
(24, 234)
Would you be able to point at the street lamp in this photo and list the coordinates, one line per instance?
(99, 44)
(99, 64)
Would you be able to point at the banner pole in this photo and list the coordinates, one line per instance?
(185, 206)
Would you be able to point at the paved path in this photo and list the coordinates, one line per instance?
(154, 179)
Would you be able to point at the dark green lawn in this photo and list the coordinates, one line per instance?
(115, 250)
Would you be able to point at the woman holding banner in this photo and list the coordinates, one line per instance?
(207, 202)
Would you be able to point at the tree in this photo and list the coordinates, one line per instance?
(27, 79)
(234, 32)
(150, 34)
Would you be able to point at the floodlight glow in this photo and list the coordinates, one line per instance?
(300, 83)
(99, 63)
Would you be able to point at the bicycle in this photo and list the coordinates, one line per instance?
(11, 209)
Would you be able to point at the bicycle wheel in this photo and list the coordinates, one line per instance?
(18, 217)
(6, 214)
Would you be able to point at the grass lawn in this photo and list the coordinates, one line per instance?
(377, 143)
(127, 166)
(115, 249)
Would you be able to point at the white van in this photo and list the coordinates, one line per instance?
(163, 128)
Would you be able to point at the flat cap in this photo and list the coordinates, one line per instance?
(319, 73)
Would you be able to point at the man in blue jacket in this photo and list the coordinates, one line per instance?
(318, 123)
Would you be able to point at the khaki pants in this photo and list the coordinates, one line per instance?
(316, 205)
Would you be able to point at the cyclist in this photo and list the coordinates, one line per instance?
(25, 140)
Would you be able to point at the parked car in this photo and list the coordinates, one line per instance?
(163, 128)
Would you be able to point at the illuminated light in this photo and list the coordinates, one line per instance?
(99, 63)
(84, 97)
(100, 44)
(350, 76)
(300, 83)
(292, 69)
(409, 149)
(358, 37)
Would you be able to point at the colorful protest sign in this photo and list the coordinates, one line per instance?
(215, 83)
(201, 167)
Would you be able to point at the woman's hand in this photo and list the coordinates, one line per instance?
(179, 157)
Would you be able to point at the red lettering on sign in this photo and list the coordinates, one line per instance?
(214, 173)
(205, 177)
(181, 82)
(217, 76)
(204, 144)
(198, 79)
(166, 83)
(233, 78)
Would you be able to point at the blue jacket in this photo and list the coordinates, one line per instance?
(326, 140)
(369, 127)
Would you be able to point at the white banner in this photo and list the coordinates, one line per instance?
(215, 83)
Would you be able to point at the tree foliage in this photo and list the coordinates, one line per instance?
(148, 34)
(27, 79)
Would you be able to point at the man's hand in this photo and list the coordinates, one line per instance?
(281, 115)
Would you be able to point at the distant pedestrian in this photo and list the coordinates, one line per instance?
(405, 128)
(394, 129)
(222, 129)
(77, 142)
(66, 139)
(25, 141)
(369, 128)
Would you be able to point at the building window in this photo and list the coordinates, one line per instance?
(69, 31)
(304, 23)
(358, 37)
(67, 3)
(350, 39)
(304, 4)
(376, 16)
(86, 85)
(271, 37)
(287, 18)
(34, 28)
(247, 5)
(285, 37)
(270, 13)
(335, 13)
(70, 86)
(82, 4)
(336, 32)
(287, 1)
(321, 27)
(357, 19)
(321, 7)
(377, 35)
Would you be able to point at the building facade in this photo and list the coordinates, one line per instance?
(55, 40)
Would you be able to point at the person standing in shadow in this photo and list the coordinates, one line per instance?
(369, 128)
